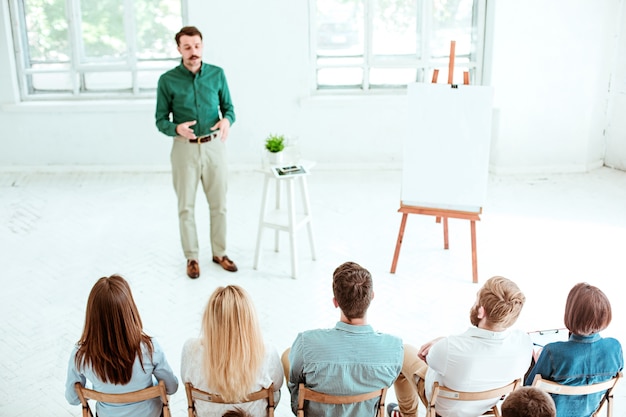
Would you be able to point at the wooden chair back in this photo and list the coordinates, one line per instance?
(157, 391)
(318, 397)
(560, 389)
(439, 391)
(194, 394)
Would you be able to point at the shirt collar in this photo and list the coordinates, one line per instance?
(585, 339)
(365, 328)
(183, 68)
(487, 334)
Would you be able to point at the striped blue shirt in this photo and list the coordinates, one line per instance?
(345, 360)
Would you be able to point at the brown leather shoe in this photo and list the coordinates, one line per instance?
(193, 269)
(226, 263)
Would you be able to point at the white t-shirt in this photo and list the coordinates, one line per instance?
(192, 370)
(477, 360)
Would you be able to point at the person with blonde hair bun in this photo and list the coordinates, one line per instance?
(230, 358)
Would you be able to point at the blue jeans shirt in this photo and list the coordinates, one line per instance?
(345, 360)
(581, 360)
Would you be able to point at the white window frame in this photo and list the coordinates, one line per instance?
(424, 66)
(79, 69)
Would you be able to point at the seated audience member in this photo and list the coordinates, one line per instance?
(115, 354)
(528, 402)
(350, 358)
(230, 358)
(586, 357)
(488, 355)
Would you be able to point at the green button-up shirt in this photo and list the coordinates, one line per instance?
(188, 96)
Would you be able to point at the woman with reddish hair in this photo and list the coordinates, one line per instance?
(115, 354)
(585, 358)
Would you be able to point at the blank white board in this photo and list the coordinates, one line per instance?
(446, 150)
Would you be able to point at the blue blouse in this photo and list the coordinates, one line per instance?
(153, 370)
(581, 360)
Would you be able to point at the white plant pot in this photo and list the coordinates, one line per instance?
(276, 158)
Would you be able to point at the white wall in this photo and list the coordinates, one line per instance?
(551, 68)
(551, 65)
(616, 118)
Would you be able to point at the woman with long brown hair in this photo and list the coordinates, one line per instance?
(230, 357)
(115, 354)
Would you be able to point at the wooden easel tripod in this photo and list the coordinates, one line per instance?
(440, 214)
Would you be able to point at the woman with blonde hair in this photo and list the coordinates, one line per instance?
(230, 357)
(115, 354)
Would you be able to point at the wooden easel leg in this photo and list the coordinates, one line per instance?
(398, 243)
(474, 256)
(445, 233)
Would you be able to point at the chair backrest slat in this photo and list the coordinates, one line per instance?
(319, 397)
(194, 394)
(607, 387)
(440, 391)
(157, 391)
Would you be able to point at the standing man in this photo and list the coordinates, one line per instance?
(349, 359)
(196, 96)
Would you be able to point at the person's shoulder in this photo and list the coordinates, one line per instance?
(171, 73)
(192, 343)
(612, 342)
(390, 338)
(211, 70)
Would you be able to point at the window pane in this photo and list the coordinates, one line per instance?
(157, 21)
(340, 77)
(102, 29)
(119, 80)
(47, 31)
(452, 21)
(56, 77)
(148, 72)
(339, 26)
(392, 76)
(395, 27)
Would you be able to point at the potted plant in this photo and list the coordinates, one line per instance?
(275, 144)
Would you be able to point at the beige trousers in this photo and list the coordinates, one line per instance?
(205, 163)
(408, 393)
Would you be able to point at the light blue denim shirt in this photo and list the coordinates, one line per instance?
(345, 360)
(153, 370)
(581, 360)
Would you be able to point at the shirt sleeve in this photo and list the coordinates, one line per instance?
(296, 371)
(163, 109)
(73, 376)
(162, 370)
(543, 366)
(226, 104)
(437, 357)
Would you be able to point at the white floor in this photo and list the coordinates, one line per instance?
(61, 231)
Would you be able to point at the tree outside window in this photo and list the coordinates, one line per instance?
(386, 44)
(79, 48)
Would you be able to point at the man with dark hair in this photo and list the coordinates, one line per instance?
(528, 402)
(194, 107)
(488, 355)
(350, 358)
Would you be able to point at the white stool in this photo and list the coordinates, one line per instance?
(276, 219)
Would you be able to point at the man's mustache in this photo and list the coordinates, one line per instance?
(194, 56)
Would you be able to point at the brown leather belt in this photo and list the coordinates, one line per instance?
(205, 138)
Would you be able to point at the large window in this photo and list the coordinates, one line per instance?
(386, 44)
(93, 48)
